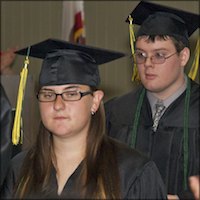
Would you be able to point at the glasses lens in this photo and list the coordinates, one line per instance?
(139, 58)
(158, 59)
(71, 96)
(46, 96)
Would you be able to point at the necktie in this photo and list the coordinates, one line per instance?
(159, 108)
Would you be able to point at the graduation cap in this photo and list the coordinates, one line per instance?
(63, 63)
(156, 20)
(159, 20)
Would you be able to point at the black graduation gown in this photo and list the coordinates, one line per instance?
(139, 178)
(165, 147)
(6, 126)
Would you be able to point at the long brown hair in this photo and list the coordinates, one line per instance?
(100, 176)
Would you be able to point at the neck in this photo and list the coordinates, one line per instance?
(68, 148)
(69, 152)
(163, 95)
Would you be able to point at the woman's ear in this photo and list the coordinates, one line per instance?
(97, 98)
(184, 56)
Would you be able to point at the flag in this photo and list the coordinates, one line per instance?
(73, 29)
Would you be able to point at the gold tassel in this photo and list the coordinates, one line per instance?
(194, 69)
(21, 91)
(135, 75)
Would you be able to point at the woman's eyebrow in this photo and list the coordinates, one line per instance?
(71, 87)
(47, 89)
(66, 88)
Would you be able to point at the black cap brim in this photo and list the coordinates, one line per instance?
(41, 49)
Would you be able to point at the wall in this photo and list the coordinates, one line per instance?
(27, 22)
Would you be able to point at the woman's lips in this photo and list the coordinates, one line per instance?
(59, 118)
(150, 76)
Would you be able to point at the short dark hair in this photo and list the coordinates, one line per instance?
(179, 45)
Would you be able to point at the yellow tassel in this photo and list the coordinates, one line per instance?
(135, 75)
(194, 69)
(21, 91)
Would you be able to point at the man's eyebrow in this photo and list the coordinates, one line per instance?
(154, 50)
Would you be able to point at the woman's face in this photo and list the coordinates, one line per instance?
(68, 118)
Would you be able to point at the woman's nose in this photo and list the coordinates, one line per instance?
(59, 103)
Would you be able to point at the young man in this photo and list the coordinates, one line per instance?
(169, 136)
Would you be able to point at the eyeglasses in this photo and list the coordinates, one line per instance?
(50, 96)
(158, 58)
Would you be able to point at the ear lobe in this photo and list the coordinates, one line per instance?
(97, 98)
(185, 55)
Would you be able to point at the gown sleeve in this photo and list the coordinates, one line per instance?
(148, 184)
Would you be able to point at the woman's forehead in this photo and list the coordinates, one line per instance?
(66, 86)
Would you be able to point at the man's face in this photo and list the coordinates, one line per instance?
(164, 78)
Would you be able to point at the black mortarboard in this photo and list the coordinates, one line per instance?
(65, 62)
(162, 20)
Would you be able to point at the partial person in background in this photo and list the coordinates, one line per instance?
(5, 134)
(160, 118)
(7, 58)
(73, 157)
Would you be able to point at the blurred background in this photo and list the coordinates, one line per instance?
(28, 22)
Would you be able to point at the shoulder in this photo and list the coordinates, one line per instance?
(195, 92)
(19, 157)
(17, 161)
(194, 104)
(16, 165)
(122, 108)
(12, 175)
(128, 157)
(128, 97)
(138, 174)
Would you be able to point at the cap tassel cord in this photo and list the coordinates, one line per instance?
(194, 69)
(135, 76)
(21, 91)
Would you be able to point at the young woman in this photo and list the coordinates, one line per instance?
(72, 156)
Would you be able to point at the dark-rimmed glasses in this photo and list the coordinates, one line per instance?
(50, 96)
(140, 58)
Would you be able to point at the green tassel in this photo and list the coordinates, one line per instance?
(136, 118)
